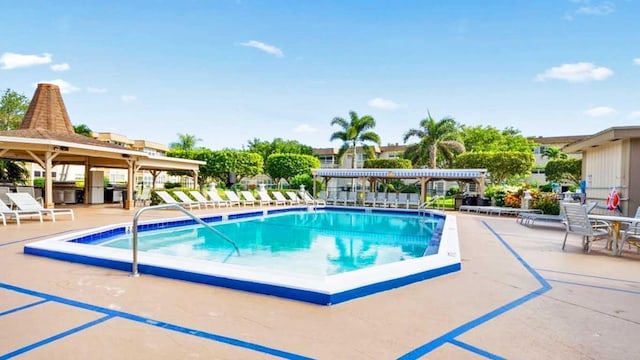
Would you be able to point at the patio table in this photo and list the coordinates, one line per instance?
(616, 222)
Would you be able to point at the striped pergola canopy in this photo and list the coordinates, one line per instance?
(434, 174)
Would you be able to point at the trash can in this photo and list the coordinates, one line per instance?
(108, 194)
(457, 202)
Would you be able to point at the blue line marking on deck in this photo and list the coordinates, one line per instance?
(7, 312)
(595, 286)
(476, 350)
(160, 324)
(55, 337)
(451, 335)
(589, 276)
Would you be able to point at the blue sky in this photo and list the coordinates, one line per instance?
(231, 71)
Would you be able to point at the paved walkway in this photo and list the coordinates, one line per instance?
(518, 296)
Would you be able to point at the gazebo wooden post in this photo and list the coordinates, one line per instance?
(195, 179)
(47, 165)
(87, 180)
(129, 203)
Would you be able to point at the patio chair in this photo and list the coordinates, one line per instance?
(3, 194)
(217, 200)
(31, 191)
(578, 222)
(168, 199)
(370, 199)
(280, 198)
(6, 211)
(310, 200)
(403, 198)
(263, 195)
(381, 199)
(26, 202)
(414, 200)
(631, 235)
(249, 198)
(352, 198)
(392, 199)
(233, 197)
(187, 200)
(144, 197)
(201, 199)
(294, 197)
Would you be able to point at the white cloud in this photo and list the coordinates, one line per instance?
(65, 87)
(578, 72)
(305, 129)
(96, 90)
(60, 67)
(636, 61)
(604, 8)
(384, 104)
(634, 114)
(270, 49)
(128, 98)
(599, 111)
(13, 61)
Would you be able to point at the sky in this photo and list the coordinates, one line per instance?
(231, 71)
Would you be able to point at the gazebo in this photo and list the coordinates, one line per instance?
(423, 176)
(46, 137)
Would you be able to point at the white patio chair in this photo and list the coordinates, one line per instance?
(294, 197)
(26, 202)
(6, 211)
(403, 199)
(577, 222)
(280, 198)
(263, 195)
(217, 200)
(201, 199)
(310, 200)
(381, 200)
(352, 198)
(370, 199)
(168, 199)
(233, 197)
(249, 198)
(187, 200)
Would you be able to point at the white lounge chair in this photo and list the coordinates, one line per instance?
(578, 222)
(26, 202)
(187, 200)
(16, 214)
(370, 199)
(201, 199)
(234, 198)
(264, 196)
(250, 199)
(217, 200)
(352, 198)
(294, 197)
(168, 199)
(403, 199)
(381, 200)
(144, 196)
(280, 198)
(309, 200)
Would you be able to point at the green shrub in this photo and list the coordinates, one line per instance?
(172, 185)
(547, 202)
(38, 182)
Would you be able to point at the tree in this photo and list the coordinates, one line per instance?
(83, 129)
(278, 146)
(564, 170)
(488, 138)
(501, 165)
(387, 164)
(435, 137)
(185, 142)
(553, 153)
(13, 107)
(355, 131)
(286, 166)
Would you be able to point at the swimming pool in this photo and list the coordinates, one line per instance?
(323, 256)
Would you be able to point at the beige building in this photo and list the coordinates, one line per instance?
(537, 174)
(611, 159)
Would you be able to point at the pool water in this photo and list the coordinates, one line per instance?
(311, 243)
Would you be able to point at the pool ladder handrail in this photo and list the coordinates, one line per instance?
(422, 208)
(134, 228)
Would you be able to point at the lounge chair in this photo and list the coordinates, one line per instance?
(144, 197)
(294, 197)
(392, 199)
(370, 199)
(332, 197)
(414, 200)
(280, 198)
(381, 199)
(26, 202)
(578, 222)
(631, 235)
(352, 198)
(250, 199)
(201, 199)
(6, 211)
(187, 200)
(309, 200)
(403, 199)
(234, 198)
(530, 218)
(168, 199)
(217, 200)
(264, 196)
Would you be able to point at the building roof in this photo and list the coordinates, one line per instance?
(558, 140)
(608, 135)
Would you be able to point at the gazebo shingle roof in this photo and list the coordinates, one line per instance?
(47, 118)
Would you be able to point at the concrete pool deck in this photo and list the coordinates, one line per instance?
(518, 296)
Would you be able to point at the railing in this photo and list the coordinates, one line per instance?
(431, 204)
(134, 230)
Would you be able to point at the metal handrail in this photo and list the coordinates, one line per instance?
(134, 230)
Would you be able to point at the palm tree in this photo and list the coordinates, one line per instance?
(436, 138)
(186, 142)
(553, 153)
(355, 131)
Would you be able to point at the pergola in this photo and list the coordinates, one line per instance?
(423, 176)
(47, 138)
